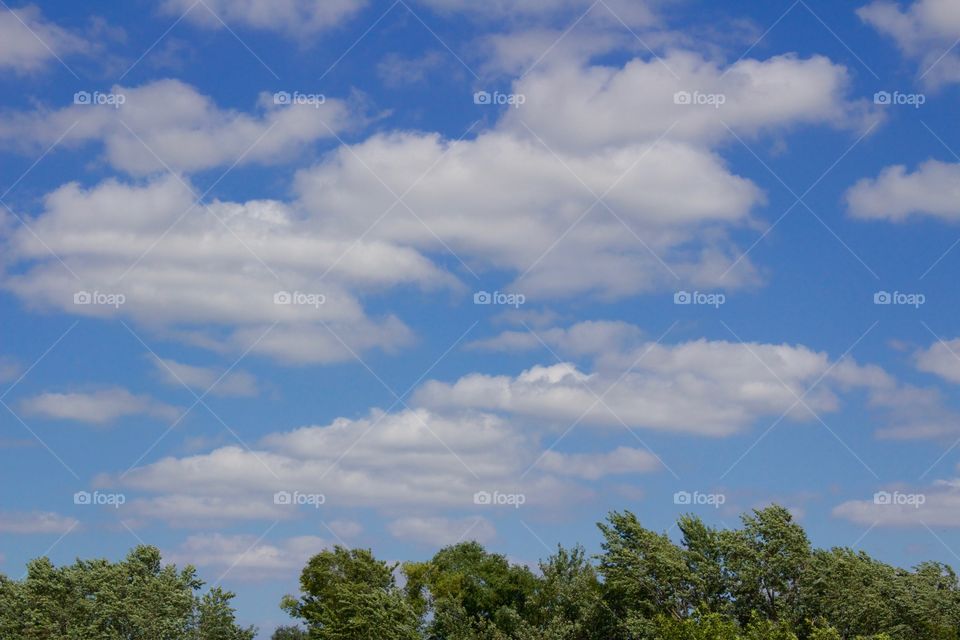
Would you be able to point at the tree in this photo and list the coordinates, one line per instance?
(347, 594)
(216, 619)
(289, 633)
(568, 604)
(469, 591)
(645, 574)
(137, 598)
(766, 560)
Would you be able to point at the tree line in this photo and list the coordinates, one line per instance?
(761, 581)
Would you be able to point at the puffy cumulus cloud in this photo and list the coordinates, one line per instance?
(169, 124)
(712, 388)
(758, 96)
(28, 42)
(703, 387)
(440, 532)
(34, 522)
(502, 202)
(97, 407)
(391, 462)
(245, 557)
(206, 379)
(592, 466)
(212, 271)
(942, 359)
(933, 189)
(521, 197)
(290, 17)
(937, 505)
(926, 30)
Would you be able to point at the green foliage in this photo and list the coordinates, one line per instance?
(135, 599)
(467, 590)
(762, 581)
(350, 595)
(289, 633)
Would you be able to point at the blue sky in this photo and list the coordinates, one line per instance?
(392, 258)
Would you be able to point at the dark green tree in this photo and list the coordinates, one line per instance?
(347, 594)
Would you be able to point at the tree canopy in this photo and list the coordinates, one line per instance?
(137, 598)
(760, 581)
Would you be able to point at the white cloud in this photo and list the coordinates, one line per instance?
(502, 202)
(35, 522)
(596, 465)
(896, 194)
(912, 413)
(590, 337)
(759, 96)
(941, 358)
(296, 18)
(206, 379)
(940, 507)
(632, 12)
(169, 124)
(390, 462)
(194, 272)
(244, 557)
(28, 42)
(927, 30)
(713, 388)
(189, 511)
(98, 407)
(521, 197)
(439, 531)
